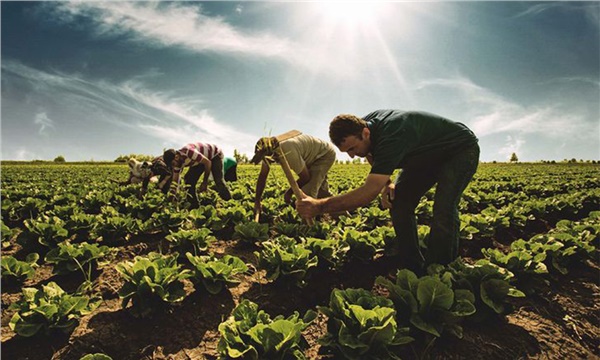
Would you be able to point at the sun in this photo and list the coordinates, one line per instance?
(349, 12)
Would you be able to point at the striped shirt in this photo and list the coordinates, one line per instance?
(191, 154)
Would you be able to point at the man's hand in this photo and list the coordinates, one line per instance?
(309, 207)
(203, 186)
(387, 195)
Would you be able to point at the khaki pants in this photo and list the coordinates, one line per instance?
(318, 186)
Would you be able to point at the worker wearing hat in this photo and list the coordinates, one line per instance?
(309, 157)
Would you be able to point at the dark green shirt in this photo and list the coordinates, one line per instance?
(228, 163)
(411, 139)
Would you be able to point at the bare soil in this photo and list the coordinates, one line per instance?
(560, 321)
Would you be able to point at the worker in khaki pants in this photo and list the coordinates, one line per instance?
(309, 157)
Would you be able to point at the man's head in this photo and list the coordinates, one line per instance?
(171, 158)
(264, 148)
(351, 135)
(159, 167)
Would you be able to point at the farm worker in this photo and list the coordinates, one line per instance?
(201, 158)
(230, 168)
(145, 172)
(430, 150)
(309, 157)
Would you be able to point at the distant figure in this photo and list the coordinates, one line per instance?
(309, 157)
(230, 168)
(201, 158)
(430, 150)
(145, 172)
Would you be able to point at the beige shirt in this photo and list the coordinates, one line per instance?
(304, 150)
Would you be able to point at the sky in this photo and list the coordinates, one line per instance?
(97, 80)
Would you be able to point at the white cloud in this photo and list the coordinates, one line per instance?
(512, 145)
(591, 10)
(170, 24)
(130, 105)
(494, 114)
(23, 154)
(44, 122)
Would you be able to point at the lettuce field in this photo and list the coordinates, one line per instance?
(91, 270)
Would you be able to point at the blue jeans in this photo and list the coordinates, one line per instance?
(451, 177)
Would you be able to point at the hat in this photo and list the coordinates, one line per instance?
(265, 146)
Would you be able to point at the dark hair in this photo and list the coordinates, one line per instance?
(345, 125)
(168, 157)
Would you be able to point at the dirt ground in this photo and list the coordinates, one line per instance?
(561, 321)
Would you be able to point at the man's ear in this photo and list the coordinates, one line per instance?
(366, 133)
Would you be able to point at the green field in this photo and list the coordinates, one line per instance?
(525, 285)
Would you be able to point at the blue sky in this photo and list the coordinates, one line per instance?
(95, 80)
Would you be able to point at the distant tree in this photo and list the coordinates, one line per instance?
(240, 158)
(138, 157)
(60, 159)
(514, 158)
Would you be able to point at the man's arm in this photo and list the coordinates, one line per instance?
(207, 169)
(362, 196)
(261, 182)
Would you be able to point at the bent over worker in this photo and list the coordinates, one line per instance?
(309, 157)
(430, 150)
(201, 158)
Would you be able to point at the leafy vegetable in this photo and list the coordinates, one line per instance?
(150, 282)
(214, 273)
(250, 333)
(17, 271)
(49, 309)
(362, 325)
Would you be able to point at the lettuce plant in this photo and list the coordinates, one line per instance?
(333, 252)
(50, 308)
(250, 333)
(230, 216)
(428, 303)
(291, 230)
(214, 274)
(195, 240)
(114, 229)
(16, 271)
(81, 224)
(570, 242)
(488, 282)
(97, 356)
(204, 216)
(83, 257)
(363, 245)
(525, 260)
(45, 231)
(374, 217)
(284, 258)
(251, 232)
(150, 282)
(168, 219)
(6, 233)
(362, 325)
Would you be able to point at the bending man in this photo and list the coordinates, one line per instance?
(309, 157)
(201, 158)
(430, 150)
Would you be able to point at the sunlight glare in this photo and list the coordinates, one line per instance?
(351, 12)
